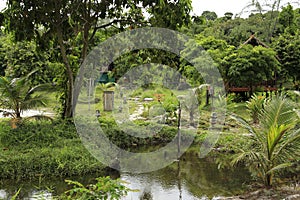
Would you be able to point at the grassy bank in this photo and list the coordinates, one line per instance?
(48, 149)
(54, 149)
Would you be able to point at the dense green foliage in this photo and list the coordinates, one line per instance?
(104, 189)
(54, 149)
(288, 50)
(249, 66)
(21, 58)
(275, 141)
(124, 140)
(63, 23)
(57, 46)
(254, 106)
(45, 42)
(43, 149)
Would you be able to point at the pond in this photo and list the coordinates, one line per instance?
(191, 178)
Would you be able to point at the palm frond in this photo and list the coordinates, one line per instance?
(279, 167)
(245, 156)
(259, 136)
(18, 95)
(288, 146)
(39, 118)
(239, 157)
(243, 123)
(41, 87)
(277, 112)
(277, 140)
(274, 136)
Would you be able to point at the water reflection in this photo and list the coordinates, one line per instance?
(31, 195)
(154, 189)
(43, 194)
(190, 178)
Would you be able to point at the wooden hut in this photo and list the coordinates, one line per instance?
(254, 41)
(265, 86)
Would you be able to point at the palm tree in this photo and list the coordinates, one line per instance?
(276, 140)
(18, 95)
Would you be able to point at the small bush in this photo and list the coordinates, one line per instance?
(104, 188)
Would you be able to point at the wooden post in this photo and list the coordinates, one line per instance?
(89, 92)
(108, 100)
(207, 96)
(178, 131)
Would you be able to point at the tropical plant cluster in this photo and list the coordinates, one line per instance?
(44, 43)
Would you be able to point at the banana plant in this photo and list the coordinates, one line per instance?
(275, 141)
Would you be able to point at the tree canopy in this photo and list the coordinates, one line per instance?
(250, 66)
(63, 21)
(54, 37)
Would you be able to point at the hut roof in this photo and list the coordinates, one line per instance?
(254, 41)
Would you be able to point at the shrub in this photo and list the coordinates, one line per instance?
(104, 188)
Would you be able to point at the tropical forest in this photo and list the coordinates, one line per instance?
(147, 100)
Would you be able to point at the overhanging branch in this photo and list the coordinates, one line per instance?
(106, 25)
(110, 24)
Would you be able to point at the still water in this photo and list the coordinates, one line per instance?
(189, 179)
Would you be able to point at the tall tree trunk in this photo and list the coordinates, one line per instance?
(68, 110)
(84, 51)
(81, 69)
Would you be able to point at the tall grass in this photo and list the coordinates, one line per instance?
(44, 148)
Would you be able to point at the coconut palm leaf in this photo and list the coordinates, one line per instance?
(276, 140)
(277, 112)
(39, 117)
(274, 135)
(289, 147)
(279, 167)
(18, 95)
(243, 123)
